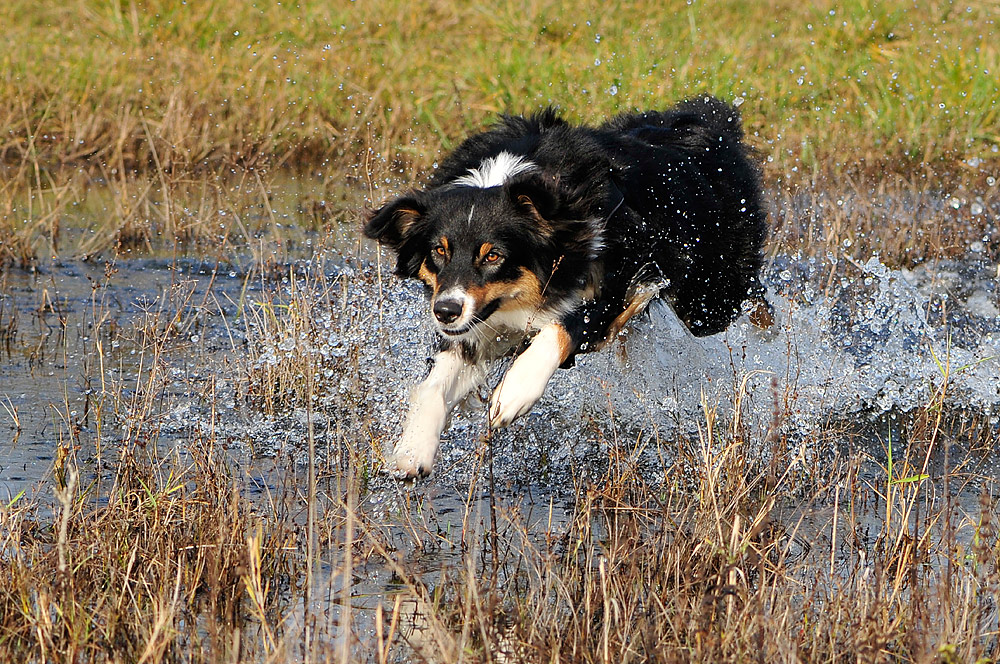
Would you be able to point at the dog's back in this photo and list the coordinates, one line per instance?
(693, 122)
(674, 195)
(694, 209)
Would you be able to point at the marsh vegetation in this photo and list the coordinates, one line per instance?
(201, 364)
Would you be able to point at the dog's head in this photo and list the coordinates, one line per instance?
(484, 250)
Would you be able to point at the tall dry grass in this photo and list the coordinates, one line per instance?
(151, 543)
(873, 563)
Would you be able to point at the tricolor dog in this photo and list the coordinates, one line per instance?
(542, 239)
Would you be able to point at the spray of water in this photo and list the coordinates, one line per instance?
(842, 348)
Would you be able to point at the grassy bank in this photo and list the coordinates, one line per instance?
(830, 86)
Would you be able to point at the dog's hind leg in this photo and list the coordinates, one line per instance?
(525, 381)
(450, 380)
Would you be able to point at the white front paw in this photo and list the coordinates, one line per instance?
(413, 456)
(515, 396)
(524, 383)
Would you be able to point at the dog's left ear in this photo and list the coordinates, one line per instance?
(395, 222)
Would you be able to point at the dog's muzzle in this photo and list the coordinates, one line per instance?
(448, 311)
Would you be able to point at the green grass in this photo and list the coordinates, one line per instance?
(833, 86)
(151, 121)
(173, 108)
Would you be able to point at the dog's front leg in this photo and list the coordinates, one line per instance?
(527, 377)
(449, 381)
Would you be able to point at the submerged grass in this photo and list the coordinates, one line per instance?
(151, 547)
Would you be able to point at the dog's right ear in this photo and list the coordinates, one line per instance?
(395, 222)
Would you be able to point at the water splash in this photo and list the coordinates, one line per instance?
(865, 345)
(842, 347)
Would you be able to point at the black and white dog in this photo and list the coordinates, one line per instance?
(546, 237)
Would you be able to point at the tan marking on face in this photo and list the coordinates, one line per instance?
(444, 243)
(522, 293)
(428, 277)
(485, 249)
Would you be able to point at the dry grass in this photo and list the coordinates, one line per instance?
(153, 559)
(165, 567)
(252, 217)
(650, 574)
(769, 552)
(142, 543)
(766, 549)
(228, 214)
(905, 220)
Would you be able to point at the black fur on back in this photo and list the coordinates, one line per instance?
(668, 199)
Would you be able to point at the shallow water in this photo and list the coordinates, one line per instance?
(856, 344)
(74, 329)
(875, 343)
(880, 342)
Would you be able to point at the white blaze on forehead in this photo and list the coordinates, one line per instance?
(494, 171)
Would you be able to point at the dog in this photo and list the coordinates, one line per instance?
(542, 239)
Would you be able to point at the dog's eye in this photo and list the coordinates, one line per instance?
(492, 257)
(440, 250)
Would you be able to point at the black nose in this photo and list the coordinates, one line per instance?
(447, 311)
